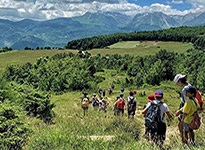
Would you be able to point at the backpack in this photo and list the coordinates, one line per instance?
(131, 104)
(153, 117)
(85, 102)
(120, 103)
(200, 99)
(196, 122)
(95, 102)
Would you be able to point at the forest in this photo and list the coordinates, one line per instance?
(196, 35)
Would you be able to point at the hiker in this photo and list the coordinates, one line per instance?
(103, 105)
(115, 108)
(95, 102)
(181, 81)
(131, 105)
(121, 105)
(154, 118)
(110, 91)
(150, 98)
(122, 89)
(191, 105)
(85, 103)
(103, 92)
(100, 91)
(112, 86)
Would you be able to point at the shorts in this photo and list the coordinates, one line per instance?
(85, 107)
(132, 112)
(160, 133)
(186, 127)
(120, 111)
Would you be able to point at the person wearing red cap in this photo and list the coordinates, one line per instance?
(150, 98)
(158, 134)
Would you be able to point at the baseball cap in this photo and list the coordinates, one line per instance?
(190, 89)
(178, 76)
(134, 92)
(158, 93)
(151, 97)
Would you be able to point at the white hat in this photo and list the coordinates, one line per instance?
(178, 76)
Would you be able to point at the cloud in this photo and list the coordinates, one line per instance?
(50, 9)
(197, 3)
(177, 2)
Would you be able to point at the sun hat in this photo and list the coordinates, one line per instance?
(158, 93)
(178, 77)
(151, 97)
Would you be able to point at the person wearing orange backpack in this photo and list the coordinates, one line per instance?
(121, 105)
(190, 107)
(181, 81)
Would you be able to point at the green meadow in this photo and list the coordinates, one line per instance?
(99, 131)
(19, 57)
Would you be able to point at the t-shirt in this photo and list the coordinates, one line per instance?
(163, 108)
(131, 98)
(189, 108)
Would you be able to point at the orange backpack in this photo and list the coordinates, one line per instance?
(120, 103)
(200, 99)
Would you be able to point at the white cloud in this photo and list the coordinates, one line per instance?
(177, 2)
(50, 9)
(197, 3)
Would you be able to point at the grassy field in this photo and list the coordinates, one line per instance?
(143, 48)
(19, 57)
(72, 131)
(130, 47)
(95, 131)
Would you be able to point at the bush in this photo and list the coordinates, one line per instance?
(13, 132)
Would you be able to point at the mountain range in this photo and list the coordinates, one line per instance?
(57, 32)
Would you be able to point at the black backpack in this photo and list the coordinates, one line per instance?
(131, 104)
(153, 117)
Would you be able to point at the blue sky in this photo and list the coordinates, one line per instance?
(50, 9)
(177, 4)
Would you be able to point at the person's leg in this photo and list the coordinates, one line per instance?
(161, 133)
(185, 133)
(180, 127)
(192, 136)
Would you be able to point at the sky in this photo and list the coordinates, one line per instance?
(50, 9)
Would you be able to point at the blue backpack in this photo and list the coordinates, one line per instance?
(95, 103)
(153, 117)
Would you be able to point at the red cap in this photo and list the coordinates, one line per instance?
(151, 97)
(134, 92)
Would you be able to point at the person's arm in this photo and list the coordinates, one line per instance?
(169, 115)
(179, 112)
(184, 116)
(145, 109)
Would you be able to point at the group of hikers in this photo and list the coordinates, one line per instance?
(154, 111)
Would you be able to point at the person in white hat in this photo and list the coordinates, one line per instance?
(181, 81)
